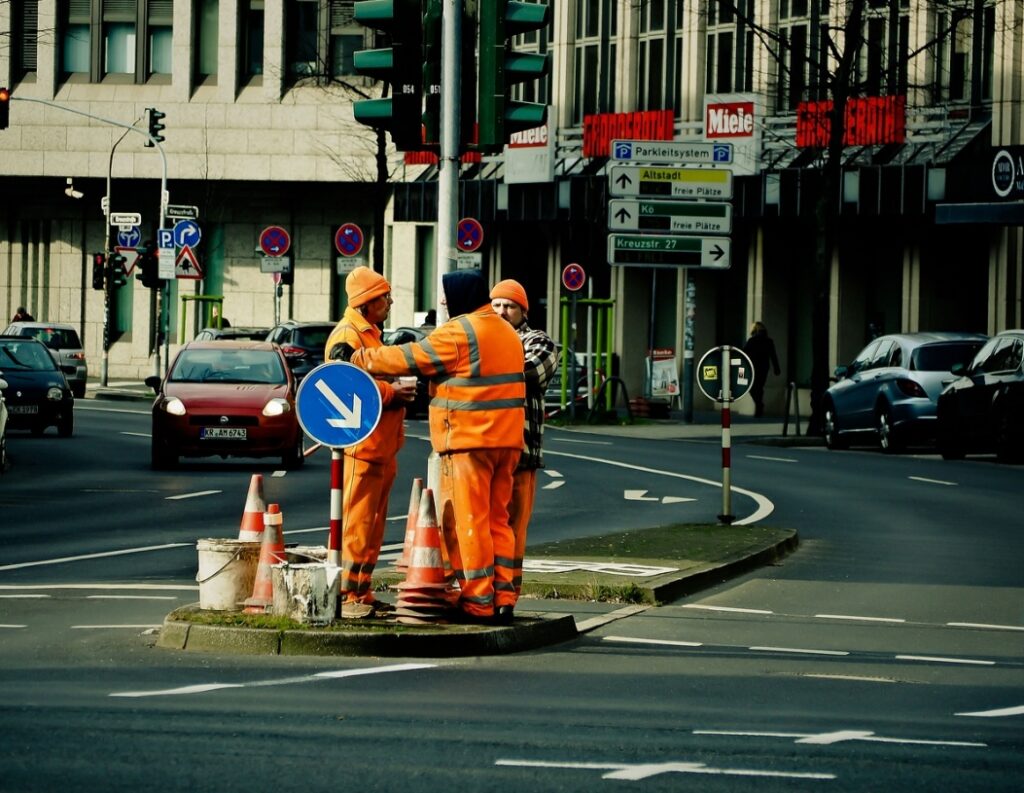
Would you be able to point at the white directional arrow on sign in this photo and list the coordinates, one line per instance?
(641, 495)
(350, 418)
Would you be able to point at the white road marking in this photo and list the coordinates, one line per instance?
(154, 587)
(603, 619)
(940, 660)
(554, 485)
(675, 499)
(771, 459)
(82, 405)
(984, 625)
(194, 495)
(111, 627)
(764, 505)
(839, 736)
(857, 618)
(928, 481)
(724, 608)
(552, 473)
(990, 714)
(102, 555)
(639, 771)
(577, 440)
(666, 642)
(11, 597)
(340, 673)
(131, 597)
(797, 650)
(855, 678)
(137, 434)
(13, 626)
(279, 474)
(637, 495)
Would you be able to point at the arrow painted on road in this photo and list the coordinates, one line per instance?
(350, 418)
(641, 495)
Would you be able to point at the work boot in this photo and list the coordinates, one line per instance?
(503, 616)
(354, 610)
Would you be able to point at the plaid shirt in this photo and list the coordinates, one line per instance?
(541, 362)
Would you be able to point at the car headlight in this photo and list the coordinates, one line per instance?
(276, 407)
(174, 406)
(55, 394)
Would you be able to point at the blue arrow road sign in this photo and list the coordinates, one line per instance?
(130, 238)
(187, 233)
(338, 404)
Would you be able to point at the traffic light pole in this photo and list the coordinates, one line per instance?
(448, 162)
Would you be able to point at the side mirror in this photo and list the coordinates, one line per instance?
(841, 372)
(153, 382)
(958, 369)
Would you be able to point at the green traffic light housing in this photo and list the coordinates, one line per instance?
(155, 127)
(501, 68)
(400, 65)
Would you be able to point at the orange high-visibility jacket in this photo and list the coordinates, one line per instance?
(475, 363)
(384, 442)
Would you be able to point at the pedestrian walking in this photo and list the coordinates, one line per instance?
(369, 467)
(475, 363)
(22, 315)
(760, 348)
(509, 301)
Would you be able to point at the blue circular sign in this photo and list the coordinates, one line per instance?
(349, 239)
(470, 234)
(338, 404)
(275, 241)
(130, 238)
(187, 234)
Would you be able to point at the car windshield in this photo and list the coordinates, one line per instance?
(25, 356)
(229, 366)
(313, 337)
(941, 357)
(54, 338)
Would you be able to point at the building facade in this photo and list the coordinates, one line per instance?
(258, 101)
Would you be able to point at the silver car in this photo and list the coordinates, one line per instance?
(888, 393)
(64, 345)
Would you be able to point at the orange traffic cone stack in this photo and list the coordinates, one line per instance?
(424, 596)
(402, 563)
(271, 553)
(251, 529)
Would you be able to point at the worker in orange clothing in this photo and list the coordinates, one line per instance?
(509, 301)
(369, 466)
(475, 363)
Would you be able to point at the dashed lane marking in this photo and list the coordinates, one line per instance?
(1018, 710)
(665, 642)
(928, 481)
(65, 559)
(985, 626)
(771, 459)
(13, 626)
(935, 659)
(857, 618)
(734, 609)
(798, 650)
(839, 736)
(131, 597)
(194, 495)
(112, 627)
(634, 772)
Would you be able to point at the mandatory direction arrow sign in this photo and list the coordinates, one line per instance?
(625, 181)
(688, 217)
(661, 250)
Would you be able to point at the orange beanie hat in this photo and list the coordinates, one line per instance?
(363, 285)
(511, 290)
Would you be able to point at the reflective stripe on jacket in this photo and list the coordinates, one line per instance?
(385, 441)
(475, 362)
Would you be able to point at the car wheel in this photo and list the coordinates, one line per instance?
(293, 459)
(78, 391)
(950, 447)
(160, 457)
(66, 425)
(1006, 442)
(833, 440)
(888, 436)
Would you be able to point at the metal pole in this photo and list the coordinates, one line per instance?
(334, 533)
(726, 517)
(572, 362)
(448, 163)
(690, 308)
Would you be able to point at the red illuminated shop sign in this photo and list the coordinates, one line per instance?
(870, 120)
(600, 129)
(729, 120)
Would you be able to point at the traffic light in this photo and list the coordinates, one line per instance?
(147, 266)
(99, 264)
(5, 107)
(287, 274)
(432, 76)
(501, 68)
(118, 270)
(155, 127)
(401, 65)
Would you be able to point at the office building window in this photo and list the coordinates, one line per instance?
(207, 33)
(75, 37)
(301, 38)
(24, 32)
(135, 38)
(159, 21)
(594, 58)
(346, 37)
(119, 37)
(960, 44)
(652, 66)
(251, 32)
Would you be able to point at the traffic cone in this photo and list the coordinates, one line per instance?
(424, 595)
(271, 553)
(251, 529)
(402, 563)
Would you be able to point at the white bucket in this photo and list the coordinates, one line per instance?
(227, 572)
(306, 593)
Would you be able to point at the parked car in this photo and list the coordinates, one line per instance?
(302, 343)
(232, 334)
(64, 345)
(982, 410)
(888, 393)
(37, 394)
(226, 398)
(420, 406)
(3, 427)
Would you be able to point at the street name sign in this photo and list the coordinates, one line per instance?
(626, 181)
(686, 217)
(661, 250)
(182, 212)
(125, 219)
(667, 151)
(338, 404)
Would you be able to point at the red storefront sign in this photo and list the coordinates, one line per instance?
(729, 120)
(869, 120)
(600, 129)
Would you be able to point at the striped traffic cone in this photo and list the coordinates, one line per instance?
(402, 563)
(424, 596)
(271, 553)
(251, 529)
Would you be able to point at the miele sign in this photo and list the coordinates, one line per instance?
(736, 119)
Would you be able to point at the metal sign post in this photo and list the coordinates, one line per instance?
(726, 517)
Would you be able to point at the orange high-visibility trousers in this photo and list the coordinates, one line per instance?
(520, 508)
(476, 487)
(367, 486)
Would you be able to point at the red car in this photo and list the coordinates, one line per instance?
(226, 398)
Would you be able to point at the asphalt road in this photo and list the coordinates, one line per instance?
(885, 653)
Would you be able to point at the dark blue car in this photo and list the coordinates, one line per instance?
(37, 394)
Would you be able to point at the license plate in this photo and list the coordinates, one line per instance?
(222, 433)
(23, 410)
